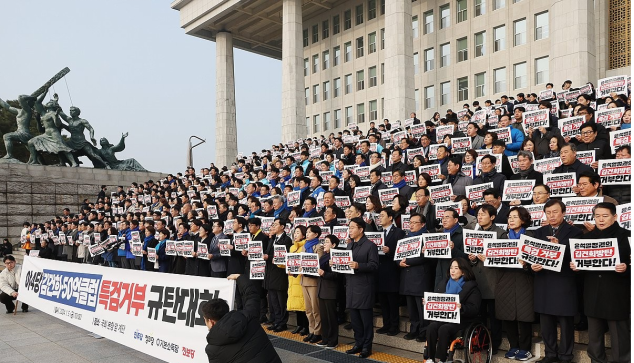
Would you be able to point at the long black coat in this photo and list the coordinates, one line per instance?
(470, 299)
(514, 293)
(556, 292)
(328, 283)
(418, 278)
(458, 251)
(197, 266)
(275, 277)
(607, 294)
(238, 336)
(361, 287)
(389, 271)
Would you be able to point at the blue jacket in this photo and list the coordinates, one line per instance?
(128, 238)
(123, 233)
(517, 138)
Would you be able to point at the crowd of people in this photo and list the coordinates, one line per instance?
(295, 194)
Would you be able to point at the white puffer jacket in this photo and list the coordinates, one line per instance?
(10, 280)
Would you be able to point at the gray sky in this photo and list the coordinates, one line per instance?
(134, 69)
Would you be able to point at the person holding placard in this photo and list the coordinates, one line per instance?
(164, 260)
(607, 293)
(198, 265)
(327, 287)
(148, 242)
(295, 301)
(254, 224)
(556, 292)
(456, 177)
(217, 262)
(492, 197)
(309, 286)
(400, 183)
(460, 280)
(569, 161)
(425, 208)
(490, 174)
(450, 225)
(275, 280)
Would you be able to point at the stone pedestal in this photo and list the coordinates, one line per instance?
(226, 129)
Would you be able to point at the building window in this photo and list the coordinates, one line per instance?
(382, 7)
(480, 7)
(479, 84)
(382, 38)
(337, 118)
(315, 33)
(416, 63)
(372, 76)
(306, 65)
(498, 4)
(415, 26)
(445, 93)
(382, 73)
(417, 100)
(315, 123)
(306, 95)
(445, 58)
(519, 31)
(359, 47)
(326, 121)
(305, 34)
(316, 93)
(541, 70)
(463, 89)
(360, 80)
(347, 19)
(325, 29)
(371, 9)
(347, 48)
(359, 14)
(326, 90)
(337, 89)
(326, 58)
(445, 16)
(335, 25)
(480, 39)
(348, 115)
(499, 38)
(499, 80)
(315, 63)
(382, 107)
(371, 43)
(428, 17)
(461, 48)
(348, 80)
(519, 75)
(360, 112)
(429, 97)
(336, 56)
(374, 114)
(461, 9)
(308, 126)
(541, 26)
(429, 59)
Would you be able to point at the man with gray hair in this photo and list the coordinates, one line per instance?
(569, 161)
(279, 207)
(527, 171)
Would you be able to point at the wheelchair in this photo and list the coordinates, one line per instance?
(476, 342)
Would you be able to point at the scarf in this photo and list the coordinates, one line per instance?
(487, 177)
(524, 173)
(454, 287)
(625, 126)
(276, 213)
(145, 241)
(308, 214)
(308, 247)
(400, 184)
(452, 230)
(516, 235)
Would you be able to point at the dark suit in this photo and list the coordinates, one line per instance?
(276, 281)
(218, 263)
(327, 287)
(458, 251)
(388, 280)
(374, 189)
(259, 283)
(502, 216)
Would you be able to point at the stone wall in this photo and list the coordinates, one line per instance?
(36, 193)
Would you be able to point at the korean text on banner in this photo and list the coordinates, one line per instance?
(535, 251)
(502, 253)
(595, 254)
(442, 307)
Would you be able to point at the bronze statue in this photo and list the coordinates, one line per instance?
(23, 118)
(107, 153)
(77, 141)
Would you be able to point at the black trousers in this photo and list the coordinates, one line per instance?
(487, 312)
(519, 334)
(277, 306)
(126, 263)
(329, 325)
(8, 301)
(439, 336)
(302, 319)
(361, 320)
(417, 322)
(619, 335)
(341, 299)
(221, 274)
(389, 309)
(548, 323)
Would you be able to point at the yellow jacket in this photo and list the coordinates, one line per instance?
(295, 300)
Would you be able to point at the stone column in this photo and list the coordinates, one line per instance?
(399, 61)
(226, 130)
(572, 42)
(293, 107)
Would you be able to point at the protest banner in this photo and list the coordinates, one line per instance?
(340, 261)
(537, 215)
(266, 223)
(475, 193)
(441, 131)
(310, 264)
(561, 184)
(467, 170)
(624, 215)
(411, 153)
(595, 254)
(396, 137)
(410, 178)
(343, 201)
(228, 229)
(279, 254)
(442, 307)
(300, 222)
(294, 263)
(616, 84)
(408, 247)
(433, 170)
(386, 178)
(212, 211)
(386, 196)
(254, 251)
(223, 245)
(133, 308)
(170, 248)
(480, 118)
(202, 250)
(436, 245)
(257, 269)
(571, 126)
(433, 151)
(548, 94)
(441, 193)
(136, 248)
(418, 130)
(341, 232)
(180, 246)
(377, 239)
(293, 198)
(151, 254)
(405, 222)
(493, 120)
(460, 114)
(473, 241)
(586, 157)
(515, 164)
(504, 134)
(518, 190)
(363, 172)
(460, 145)
(615, 171)
(535, 251)
(316, 221)
(546, 166)
(502, 253)
(535, 120)
(579, 209)
(571, 95)
(620, 138)
(241, 241)
(609, 117)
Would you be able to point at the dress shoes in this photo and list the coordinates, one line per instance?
(297, 330)
(308, 337)
(280, 328)
(365, 354)
(354, 350)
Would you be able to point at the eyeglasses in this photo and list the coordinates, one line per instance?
(540, 193)
(586, 133)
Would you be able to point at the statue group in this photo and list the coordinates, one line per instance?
(51, 120)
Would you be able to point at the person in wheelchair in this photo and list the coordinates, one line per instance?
(460, 280)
